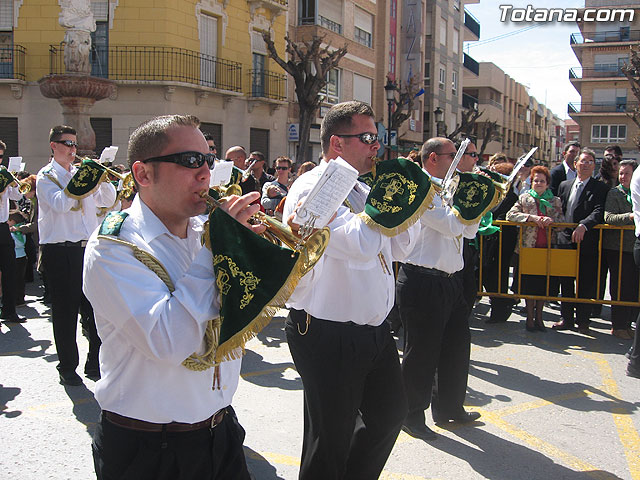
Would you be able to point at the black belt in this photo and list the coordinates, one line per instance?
(427, 271)
(142, 426)
(81, 243)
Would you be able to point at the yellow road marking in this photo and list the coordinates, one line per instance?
(624, 424)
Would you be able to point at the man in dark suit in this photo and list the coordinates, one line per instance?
(582, 203)
(566, 170)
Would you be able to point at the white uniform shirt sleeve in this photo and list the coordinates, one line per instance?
(162, 325)
(52, 195)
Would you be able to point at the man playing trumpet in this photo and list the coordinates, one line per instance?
(64, 224)
(160, 418)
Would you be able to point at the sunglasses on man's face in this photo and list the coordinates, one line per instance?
(472, 154)
(185, 159)
(66, 143)
(366, 138)
(212, 147)
(282, 168)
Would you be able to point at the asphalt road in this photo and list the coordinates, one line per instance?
(554, 405)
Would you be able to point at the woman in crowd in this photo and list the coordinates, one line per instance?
(540, 206)
(609, 169)
(618, 211)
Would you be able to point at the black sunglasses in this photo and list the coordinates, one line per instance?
(186, 159)
(66, 143)
(472, 154)
(212, 147)
(282, 168)
(366, 138)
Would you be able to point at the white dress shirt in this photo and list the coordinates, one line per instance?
(570, 174)
(10, 193)
(147, 331)
(57, 222)
(351, 282)
(440, 241)
(635, 199)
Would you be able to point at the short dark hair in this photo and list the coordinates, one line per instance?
(3, 146)
(339, 118)
(259, 155)
(568, 145)
(588, 151)
(208, 136)
(616, 149)
(150, 138)
(55, 134)
(283, 158)
(433, 145)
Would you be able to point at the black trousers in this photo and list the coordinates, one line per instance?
(8, 268)
(468, 275)
(634, 358)
(495, 269)
(63, 267)
(354, 403)
(21, 267)
(210, 453)
(437, 339)
(621, 317)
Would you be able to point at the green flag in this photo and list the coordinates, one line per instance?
(400, 193)
(5, 179)
(475, 196)
(86, 180)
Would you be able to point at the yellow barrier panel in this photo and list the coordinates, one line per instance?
(562, 263)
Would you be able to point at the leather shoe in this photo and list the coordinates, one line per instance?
(15, 318)
(92, 374)
(71, 379)
(495, 320)
(584, 329)
(462, 417)
(420, 431)
(562, 326)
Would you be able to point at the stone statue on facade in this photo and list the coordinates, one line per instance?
(77, 19)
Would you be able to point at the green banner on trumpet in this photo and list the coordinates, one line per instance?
(400, 193)
(476, 195)
(254, 278)
(6, 179)
(86, 180)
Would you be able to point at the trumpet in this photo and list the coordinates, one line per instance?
(128, 185)
(310, 248)
(246, 173)
(23, 187)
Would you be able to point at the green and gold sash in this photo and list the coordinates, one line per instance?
(86, 180)
(6, 179)
(476, 195)
(400, 193)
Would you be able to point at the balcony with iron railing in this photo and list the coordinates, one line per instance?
(488, 101)
(602, 107)
(267, 84)
(322, 22)
(12, 62)
(624, 34)
(157, 64)
(469, 102)
(611, 70)
(470, 64)
(472, 24)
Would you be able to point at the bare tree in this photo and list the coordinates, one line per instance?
(403, 104)
(632, 71)
(465, 127)
(308, 64)
(489, 132)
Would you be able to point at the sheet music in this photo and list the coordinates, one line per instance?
(108, 155)
(221, 174)
(328, 194)
(14, 164)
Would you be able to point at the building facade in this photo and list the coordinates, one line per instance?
(605, 94)
(200, 57)
(522, 121)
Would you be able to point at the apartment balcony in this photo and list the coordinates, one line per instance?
(623, 35)
(609, 71)
(469, 102)
(472, 30)
(321, 22)
(268, 85)
(157, 64)
(470, 64)
(12, 62)
(590, 108)
(276, 7)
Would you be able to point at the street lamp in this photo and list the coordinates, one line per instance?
(440, 126)
(390, 93)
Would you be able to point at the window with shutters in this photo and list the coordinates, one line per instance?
(608, 133)
(215, 129)
(362, 87)
(259, 141)
(102, 129)
(208, 48)
(9, 135)
(6, 15)
(363, 32)
(331, 91)
(100, 39)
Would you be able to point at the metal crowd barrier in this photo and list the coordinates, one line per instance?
(553, 262)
